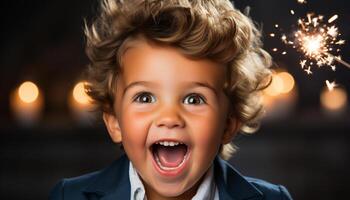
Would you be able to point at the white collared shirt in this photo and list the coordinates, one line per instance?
(207, 189)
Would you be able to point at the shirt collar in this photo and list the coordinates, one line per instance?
(206, 190)
(137, 188)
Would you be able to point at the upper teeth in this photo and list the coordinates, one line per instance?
(165, 143)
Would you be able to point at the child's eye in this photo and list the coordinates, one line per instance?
(144, 97)
(194, 99)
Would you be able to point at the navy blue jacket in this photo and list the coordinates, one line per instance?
(113, 183)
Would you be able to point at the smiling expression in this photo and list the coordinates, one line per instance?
(163, 98)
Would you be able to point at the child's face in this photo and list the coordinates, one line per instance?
(163, 96)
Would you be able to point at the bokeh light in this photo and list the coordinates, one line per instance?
(333, 100)
(27, 103)
(280, 97)
(275, 87)
(288, 82)
(28, 92)
(81, 104)
(79, 94)
(282, 83)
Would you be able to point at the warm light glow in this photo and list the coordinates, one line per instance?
(317, 41)
(81, 104)
(276, 86)
(280, 97)
(330, 85)
(333, 100)
(334, 17)
(26, 103)
(28, 92)
(287, 80)
(79, 94)
(312, 44)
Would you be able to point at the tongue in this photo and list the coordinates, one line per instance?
(171, 156)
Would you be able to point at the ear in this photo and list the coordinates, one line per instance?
(232, 127)
(113, 128)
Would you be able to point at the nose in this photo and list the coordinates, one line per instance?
(170, 118)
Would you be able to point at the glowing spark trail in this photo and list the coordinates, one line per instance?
(334, 17)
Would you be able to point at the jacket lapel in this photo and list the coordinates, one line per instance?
(232, 185)
(112, 183)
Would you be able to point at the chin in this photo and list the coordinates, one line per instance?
(170, 191)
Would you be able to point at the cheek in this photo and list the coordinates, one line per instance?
(134, 127)
(208, 130)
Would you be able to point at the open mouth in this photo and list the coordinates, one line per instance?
(170, 156)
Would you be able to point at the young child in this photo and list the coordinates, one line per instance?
(175, 81)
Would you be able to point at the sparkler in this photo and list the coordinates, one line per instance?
(318, 41)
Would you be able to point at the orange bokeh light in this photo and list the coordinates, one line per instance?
(80, 95)
(28, 92)
(333, 100)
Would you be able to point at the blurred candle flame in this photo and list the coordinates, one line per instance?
(333, 100)
(80, 103)
(28, 92)
(27, 103)
(79, 94)
(282, 83)
(279, 97)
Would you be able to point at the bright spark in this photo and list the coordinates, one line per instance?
(330, 85)
(302, 63)
(332, 31)
(302, 1)
(308, 70)
(312, 45)
(292, 12)
(340, 42)
(284, 38)
(334, 17)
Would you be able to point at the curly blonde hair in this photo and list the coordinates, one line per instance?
(211, 29)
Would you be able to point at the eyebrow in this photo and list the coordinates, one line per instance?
(206, 85)
(196, 84)
(135, 84)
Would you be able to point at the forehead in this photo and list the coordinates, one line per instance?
(145, 61)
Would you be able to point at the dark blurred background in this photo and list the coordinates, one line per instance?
(303, 142)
